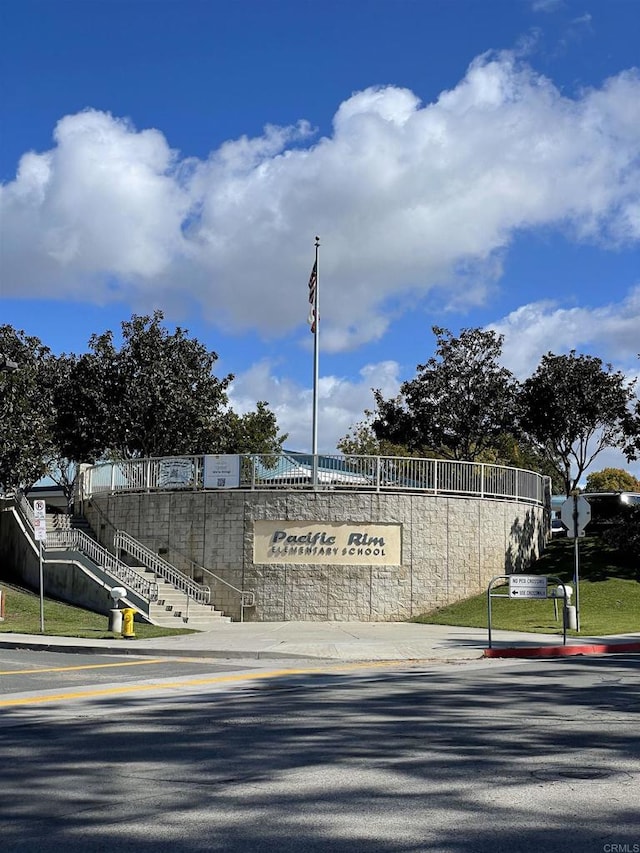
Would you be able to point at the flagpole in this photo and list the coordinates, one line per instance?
(316, 359)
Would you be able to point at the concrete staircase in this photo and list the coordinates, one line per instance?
(179, 596)
(60, 521)
(173, 608)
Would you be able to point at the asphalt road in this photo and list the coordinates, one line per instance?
(24, 672)
(490, 756)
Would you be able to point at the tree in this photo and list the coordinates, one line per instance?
(516, 452)
(460, 403)
(612, 480)
(361, 441)
(631, 446)
(253, 432)
(573, 407)
(623, 534)
(26, 442)
(156, 395)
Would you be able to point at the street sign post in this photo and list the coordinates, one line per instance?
(576, 514)
(40, 532)
(40, 520)
(528, 587)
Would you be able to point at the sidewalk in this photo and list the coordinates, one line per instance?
(338, 641)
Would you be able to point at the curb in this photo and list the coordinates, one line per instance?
(562, 651)
(142, 651)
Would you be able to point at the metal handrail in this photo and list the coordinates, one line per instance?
(446, 477)
(77, 540)
(247, 596)
(199, 593)
(26, 508)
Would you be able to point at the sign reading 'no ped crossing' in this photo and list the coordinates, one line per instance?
(527, 586)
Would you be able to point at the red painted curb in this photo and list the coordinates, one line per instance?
(561, 651)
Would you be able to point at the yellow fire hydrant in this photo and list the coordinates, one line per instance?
(127, 623)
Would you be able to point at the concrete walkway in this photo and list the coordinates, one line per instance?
(342, 641)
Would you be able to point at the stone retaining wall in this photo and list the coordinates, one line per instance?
(451, 547)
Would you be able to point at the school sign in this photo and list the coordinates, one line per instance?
(336, 544)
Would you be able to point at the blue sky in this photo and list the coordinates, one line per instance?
(464, 162)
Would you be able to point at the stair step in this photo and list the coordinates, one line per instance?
(171, 604)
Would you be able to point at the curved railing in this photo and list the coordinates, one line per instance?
(320, 472)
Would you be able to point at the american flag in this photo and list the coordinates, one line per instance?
(313, 283)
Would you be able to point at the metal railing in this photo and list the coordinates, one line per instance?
(161, 568)
(247, 596)
(77, 540)
(297, 470)
(26, 509)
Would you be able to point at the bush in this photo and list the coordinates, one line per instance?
(623, 533)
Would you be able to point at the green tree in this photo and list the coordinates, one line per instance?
(26, 441)
(156, 395)
(253, 432)
(459, 405)
(612, 480)
(572, 408)
(361, 441)
(631, 444)
(623, 534)
(517, 452)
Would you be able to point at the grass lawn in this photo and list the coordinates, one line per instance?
(22, 616)
(609, 596)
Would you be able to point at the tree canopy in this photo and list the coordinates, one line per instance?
(612, 480)
(158, 389)
(463, 404)
(26, 440)
(459, 404)
(631, 446)
(153, 395)
(573, 407)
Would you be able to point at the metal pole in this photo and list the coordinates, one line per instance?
(316, 343)
(576, 552)
(41, 589)
(576, 581)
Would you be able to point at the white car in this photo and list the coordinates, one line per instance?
(558, 528)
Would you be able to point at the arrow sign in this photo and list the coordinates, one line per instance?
(527, 586)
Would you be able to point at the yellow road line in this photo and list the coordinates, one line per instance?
(195, 682)
(83, 666)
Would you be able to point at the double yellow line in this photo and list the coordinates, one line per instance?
(174, 685)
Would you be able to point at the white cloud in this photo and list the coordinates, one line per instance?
(341, 402)
(403, 195)
(610, 330)
(546, 5)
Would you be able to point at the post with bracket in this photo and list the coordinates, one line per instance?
(576, 514)
(527, 587)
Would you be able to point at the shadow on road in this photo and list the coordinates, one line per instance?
(437, 760)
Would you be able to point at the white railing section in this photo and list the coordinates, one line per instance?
(77, 540)
(296, 470)
(26, 509)
(161, 568)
